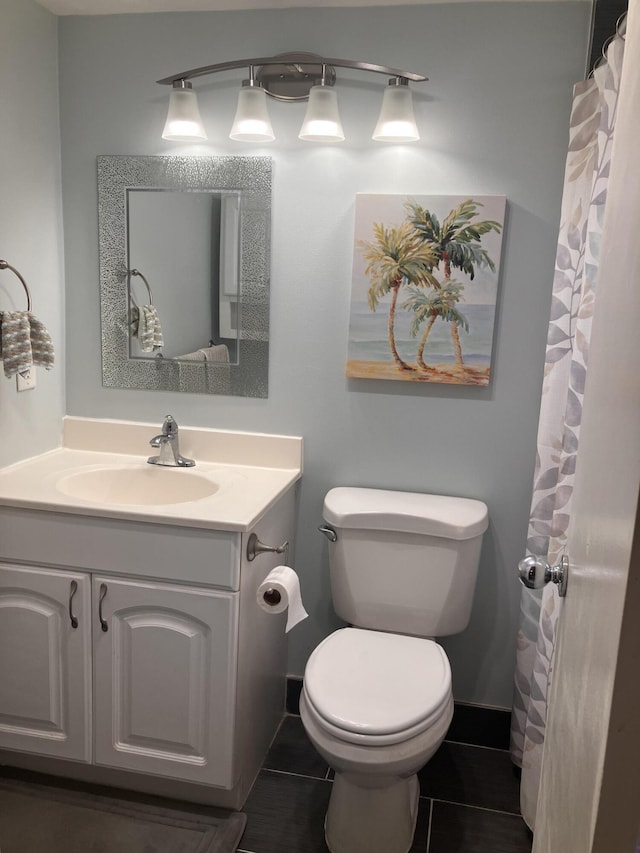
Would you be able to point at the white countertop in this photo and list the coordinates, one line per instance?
(251, 472)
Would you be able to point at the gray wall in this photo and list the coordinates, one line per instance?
(494, 120)
(31, 217)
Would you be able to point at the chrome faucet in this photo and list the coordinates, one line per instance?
(167, 443)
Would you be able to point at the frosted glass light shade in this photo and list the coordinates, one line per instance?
(396, 122)
(183, 119)
(251, 122)
(322, 119)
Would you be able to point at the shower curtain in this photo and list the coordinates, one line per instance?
(576, 272)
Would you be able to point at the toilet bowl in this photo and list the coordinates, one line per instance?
(376, 706)
(376, 700)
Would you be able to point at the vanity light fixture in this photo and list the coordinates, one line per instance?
(396, 122)
(322, 118)
(292, 77)
(183, 119)
(252, 122)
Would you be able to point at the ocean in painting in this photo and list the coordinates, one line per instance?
(368, 336)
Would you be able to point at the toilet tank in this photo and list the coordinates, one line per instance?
(404, 562)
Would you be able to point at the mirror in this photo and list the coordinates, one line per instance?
(184, 273)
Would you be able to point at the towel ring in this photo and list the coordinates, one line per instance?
(4, 265)
(146, 284)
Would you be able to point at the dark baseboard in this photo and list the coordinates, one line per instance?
(480, 726)
(473, 724)
(294, 689)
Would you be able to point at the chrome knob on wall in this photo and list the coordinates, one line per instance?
(255, 547)
(535, 572)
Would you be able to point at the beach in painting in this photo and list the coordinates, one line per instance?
(369, 356)
(447, 374)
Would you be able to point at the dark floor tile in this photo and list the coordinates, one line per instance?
(473, 776)
(292, 751)
(480, 726)
(285, 814)
(461, 829)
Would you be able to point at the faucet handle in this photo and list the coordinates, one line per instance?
(169, 425)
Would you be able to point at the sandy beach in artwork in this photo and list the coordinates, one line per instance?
(450, 374)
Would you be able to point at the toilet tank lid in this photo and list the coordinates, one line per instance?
(405, 512)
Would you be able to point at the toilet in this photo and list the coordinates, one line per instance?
(376, 700)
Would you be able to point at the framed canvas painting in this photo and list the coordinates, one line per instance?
(424, 287)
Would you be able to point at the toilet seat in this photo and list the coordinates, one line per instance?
(376, 688)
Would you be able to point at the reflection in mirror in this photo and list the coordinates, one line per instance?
(184, 273)
(185, 243)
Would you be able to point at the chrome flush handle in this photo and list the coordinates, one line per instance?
(329, 532)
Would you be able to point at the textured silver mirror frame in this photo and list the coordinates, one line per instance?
(251, 177)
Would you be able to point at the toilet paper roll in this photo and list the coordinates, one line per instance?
(280, 591)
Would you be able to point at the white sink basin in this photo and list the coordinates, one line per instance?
(237, 477)
(148, 485)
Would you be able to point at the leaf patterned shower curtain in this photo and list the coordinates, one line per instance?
(592, 124)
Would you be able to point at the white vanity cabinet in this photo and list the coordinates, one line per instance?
(173, 672)
(163, 670)
(165, 663)
(45, 662)
(133, 650)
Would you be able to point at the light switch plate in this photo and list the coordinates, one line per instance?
(26, 380)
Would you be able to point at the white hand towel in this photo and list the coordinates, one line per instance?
(149, 332)
(219, 353)
(134, 320)
(24, 342)
(41, 343)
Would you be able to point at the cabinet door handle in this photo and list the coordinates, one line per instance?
(103, 592)
(72, 591)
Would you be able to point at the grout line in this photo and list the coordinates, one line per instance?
(429, 828)
(479, 808)
(296, 775)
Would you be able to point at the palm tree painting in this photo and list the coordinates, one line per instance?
(410, 319)
(398, 256)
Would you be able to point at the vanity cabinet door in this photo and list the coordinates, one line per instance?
(45, 662)
(164, 674)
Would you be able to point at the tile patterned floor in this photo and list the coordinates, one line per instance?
(468, 802)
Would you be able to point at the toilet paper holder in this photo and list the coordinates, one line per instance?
(255, 547)
(272, 597)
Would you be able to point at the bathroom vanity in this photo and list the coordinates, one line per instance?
(133, 651)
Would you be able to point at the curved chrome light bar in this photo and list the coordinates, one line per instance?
(288, 77)
(298, 63)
